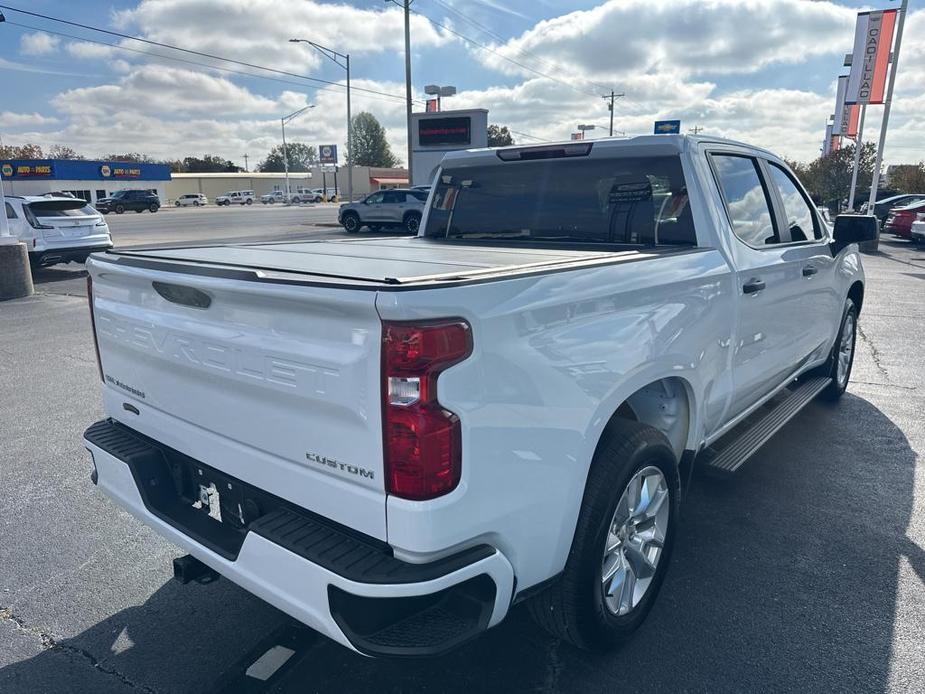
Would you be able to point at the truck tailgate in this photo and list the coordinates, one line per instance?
(275, 385)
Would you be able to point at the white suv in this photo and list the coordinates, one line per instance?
(191, 199)
(57, 229)
(236, 197)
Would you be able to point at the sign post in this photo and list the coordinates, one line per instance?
(858, 143)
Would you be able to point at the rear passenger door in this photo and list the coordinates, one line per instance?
(809, 260)
(394, 205)
(767, 346)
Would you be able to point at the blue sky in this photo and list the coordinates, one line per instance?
(762, 71)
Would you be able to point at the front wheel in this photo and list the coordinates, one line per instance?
(119, 209)
(622, 544)
(351, 223)
(841, 359)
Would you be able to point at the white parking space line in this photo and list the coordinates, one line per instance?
(266, 665)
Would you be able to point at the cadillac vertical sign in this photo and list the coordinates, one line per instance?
(873, 40)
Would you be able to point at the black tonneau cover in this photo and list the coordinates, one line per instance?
(379, 261)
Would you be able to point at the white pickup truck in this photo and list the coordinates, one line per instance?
(394, 440)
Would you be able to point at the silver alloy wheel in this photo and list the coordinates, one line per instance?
(845, 350)
(635, 540)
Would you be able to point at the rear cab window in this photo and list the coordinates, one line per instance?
(748, 203)
(614, 200)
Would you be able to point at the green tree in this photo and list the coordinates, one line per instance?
(499, 136)
(908, 178)
(27, 151)
(64, 152)
(370, 146)
(133, 157)
(209, 163)
(828, 178)
(300, 156)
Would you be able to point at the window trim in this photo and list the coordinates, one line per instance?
(769, 198)
(781, 208)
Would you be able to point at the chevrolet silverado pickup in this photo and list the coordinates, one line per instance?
(394, 440)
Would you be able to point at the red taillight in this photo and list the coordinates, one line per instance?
(96, 342)
(422, 441)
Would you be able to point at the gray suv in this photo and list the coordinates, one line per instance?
(384, 208)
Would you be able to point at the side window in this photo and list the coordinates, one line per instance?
(800, 218)
(746, 200)
(375, 198)
(10, 212)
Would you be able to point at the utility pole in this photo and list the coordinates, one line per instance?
(613, 95)
(875, 183)
(245, 164)
(407, 5)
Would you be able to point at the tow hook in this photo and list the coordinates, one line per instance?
(189, 568)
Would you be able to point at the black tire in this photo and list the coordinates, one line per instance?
(152, 208)
(412, 222)
(119, 209)
(248, 202)
(195, 203)
(138, 211)
(351, 222)
(839, 384)
(177, 203)
(573, 608)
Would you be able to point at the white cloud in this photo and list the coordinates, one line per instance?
(92, 51)
(625, 37)
(10, 120)
(38, 43)
(258, 31)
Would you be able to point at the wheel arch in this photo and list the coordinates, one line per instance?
(856, 294)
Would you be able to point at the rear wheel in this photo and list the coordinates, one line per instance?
(412, 222)
(248, 202)
(351, 222)
(623, 541)
(177, 203)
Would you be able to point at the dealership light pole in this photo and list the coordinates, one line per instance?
(886, 108)
(336, 57)
(283, 121)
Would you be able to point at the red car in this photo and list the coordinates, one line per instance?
(900, 219)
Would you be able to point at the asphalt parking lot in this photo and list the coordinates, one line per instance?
(806, 572)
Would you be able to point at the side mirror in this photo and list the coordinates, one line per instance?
(855, 228)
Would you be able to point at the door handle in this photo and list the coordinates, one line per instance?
(809, 270)
(753, 285)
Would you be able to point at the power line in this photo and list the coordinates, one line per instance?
(186, 61)
(190, 51)
(527, 135)
(472, 41)
(499, 37)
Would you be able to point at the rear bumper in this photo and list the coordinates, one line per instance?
(64, 255)
(343, 584)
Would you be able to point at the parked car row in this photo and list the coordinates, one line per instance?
(900, 220)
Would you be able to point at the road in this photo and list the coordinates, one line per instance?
(191, 225)
(803, 573)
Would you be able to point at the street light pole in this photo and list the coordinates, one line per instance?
(333, 55)
(407, 5)
(283, 121)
